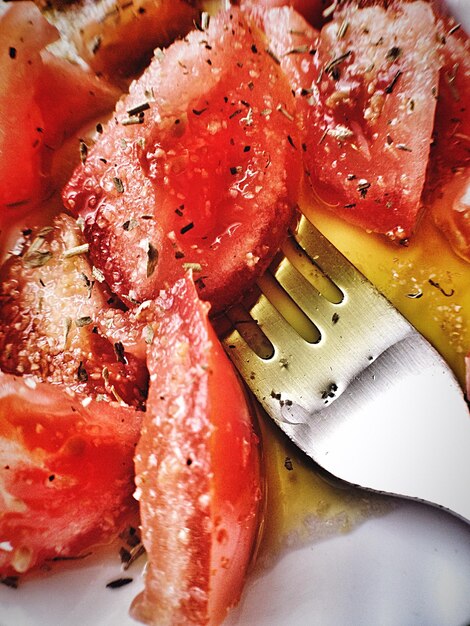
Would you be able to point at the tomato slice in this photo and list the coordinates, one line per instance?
(43, 99)
(120, 43)
(198, 471)
(448, 179)
(373, 98)
(294, 42)
(66, 472)
(198, 169)
(52, 319)
(315, 12)
(23, 33)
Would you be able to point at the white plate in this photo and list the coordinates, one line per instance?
(409, 567)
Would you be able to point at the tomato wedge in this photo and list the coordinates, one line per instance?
(448, 179)
(43, 100)
(313, 11)
(199, 168)
(373, 98)
(198, 471)
(66, 472)
(53, 319)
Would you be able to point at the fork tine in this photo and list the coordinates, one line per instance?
(288, 307)
(275, 326)
(300, 259)
(314, 305)
(323, 253)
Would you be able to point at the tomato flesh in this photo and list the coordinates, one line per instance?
(448, 179)
(43, 100)
(198, 471)
(370, 113)
(208, 180)
(52, 320)
(66, 472)
(313, 11)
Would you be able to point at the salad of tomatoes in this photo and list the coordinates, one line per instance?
(154, 190)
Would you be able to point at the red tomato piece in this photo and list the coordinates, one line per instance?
(52, 312)
(199, 168)
(314, 11)
(448, 179)
(66, 476)
(43, 99)
(294, 43)
(372, 109)
(68, 97)
(118, 39)
(23, 33)
(449, 151)
(198, 471)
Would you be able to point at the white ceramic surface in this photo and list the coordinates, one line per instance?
(409, 567)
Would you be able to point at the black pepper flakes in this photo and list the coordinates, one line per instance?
(12, 52)
(82, 374)
(83, 150)
(393, 53)
(145, 106)
(291, 141)
(152, 259)
(363, 188)
(119, 352)
(390, 87)
(10, 581)
(187, 228)
(288, 464)
(330, 392)
(118, 184)
(435, 284)
(119, 582)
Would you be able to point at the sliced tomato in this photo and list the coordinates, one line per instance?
(450, 149)
(372, 100)
(52, 312)
(68, 97)
(198, 471)
(118, 39)
(314, 11)
(23, 33)
(199, 168)
(43, 99)
(294, 43)
(66, 475)
(447, 188)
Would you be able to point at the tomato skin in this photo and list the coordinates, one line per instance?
(210, 178)
(372, 88)
(60, 456)
(198, 472)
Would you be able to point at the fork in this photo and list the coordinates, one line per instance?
(350, 381)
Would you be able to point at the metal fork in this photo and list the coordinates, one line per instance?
(359, 390)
